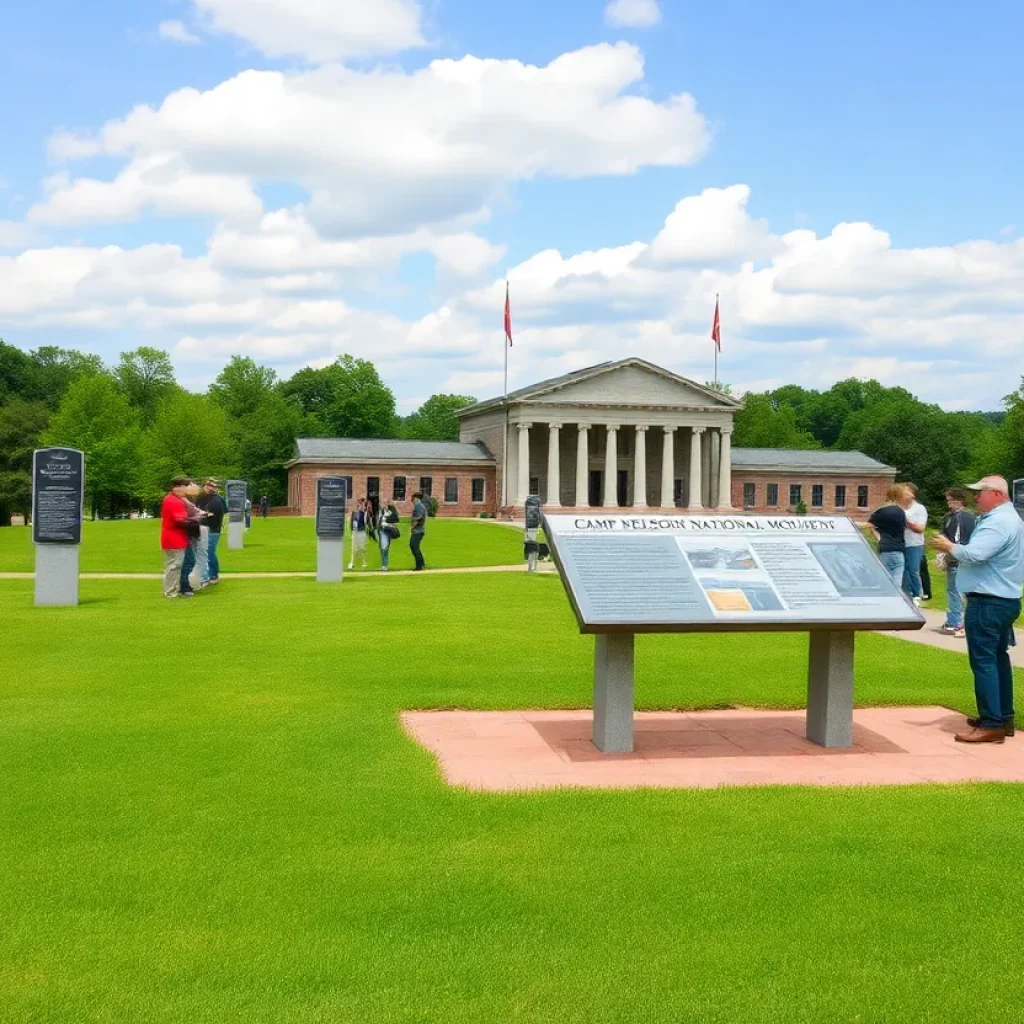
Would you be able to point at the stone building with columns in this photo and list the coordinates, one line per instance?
(625, 434)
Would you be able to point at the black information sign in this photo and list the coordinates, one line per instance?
(533, 512)
(331, 492)
(237, 492)
(1018, 497)
(58, 487)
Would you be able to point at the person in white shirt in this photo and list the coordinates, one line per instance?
(917, 520)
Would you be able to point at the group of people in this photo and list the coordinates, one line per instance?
(899, 527)
(983, 557)
(382, 526)
(191, 521)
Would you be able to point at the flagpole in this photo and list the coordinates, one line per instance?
(504, 435)
(717, 343)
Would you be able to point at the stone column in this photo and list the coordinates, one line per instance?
(696, 470)
(582, 466)
(523, 490)
(554, 481)
(830, 688)
(611, 468)
(640, 469)
(668, 468)
(725, 469)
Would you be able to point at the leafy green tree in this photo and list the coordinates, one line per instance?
(190, 435)
(21, 426)
(348, 398)
(1006, 451)
(435, 419)
(97, 418)
(243, 386)
(17, 373)
(145, 377)
(764, 423)
(56, 369)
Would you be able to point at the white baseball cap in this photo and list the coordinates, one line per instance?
(991, 483)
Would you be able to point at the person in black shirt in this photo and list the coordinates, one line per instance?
(889, 524)
(958, 527)
(213, 505)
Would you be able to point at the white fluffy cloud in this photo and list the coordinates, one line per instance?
(176, 32)
(388, 151)
(632, 13)
(945, 321)
(317, 30)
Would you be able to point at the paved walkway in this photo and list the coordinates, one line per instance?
(518, 750)
(543, 567)
(931, 636)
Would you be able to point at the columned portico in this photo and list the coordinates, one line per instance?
(725, 469)
(622, 412)
(696, 474)
(640, 468)
(611, 467)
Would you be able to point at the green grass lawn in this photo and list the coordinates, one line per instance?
(277, 544)
(209, 814)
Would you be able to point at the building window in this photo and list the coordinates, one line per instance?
(535, 485)
(478, 489)
(772, 500)
(398, 489)
(749, 495)
(862, 496)
(451, 490)
(426, 486)
(795, 494)
(817, 495)
(840, 495)
(348, 487)
(373, 486)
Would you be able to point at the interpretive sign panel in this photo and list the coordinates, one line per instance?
(237, 492)
(58, 487)
(647, 574)
(331, 492)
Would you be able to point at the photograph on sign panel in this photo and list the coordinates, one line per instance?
(730, 575)
(852, 568)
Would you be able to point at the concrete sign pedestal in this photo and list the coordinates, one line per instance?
(56, 575)
(236, 536)
(830, 688)
(613, 692)
(330, 559)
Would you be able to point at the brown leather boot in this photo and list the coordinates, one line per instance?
(979, 735)
(1008, 726)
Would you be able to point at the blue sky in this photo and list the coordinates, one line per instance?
(903, 117)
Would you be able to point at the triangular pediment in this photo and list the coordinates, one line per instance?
(631, 382)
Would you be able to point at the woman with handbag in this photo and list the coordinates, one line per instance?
(387, 531)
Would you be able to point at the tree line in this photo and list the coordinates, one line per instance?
(139, 427)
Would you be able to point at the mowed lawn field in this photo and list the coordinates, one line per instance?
(276, 544)
(210, 813)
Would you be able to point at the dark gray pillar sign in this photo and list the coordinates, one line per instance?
(331, 495)
(58, 492)
(1018, 497)
(236, 491)
(533, 517)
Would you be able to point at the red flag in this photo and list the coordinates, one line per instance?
(716, 329)
(508, 317)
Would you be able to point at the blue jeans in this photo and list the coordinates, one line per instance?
(384, 540)
(989, 622)
(414, 546)
(212, 562)
(912, 570)
(893, 563)
(187, 566)
(954, 602)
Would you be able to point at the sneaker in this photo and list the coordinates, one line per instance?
(187, 593)
(960, 633)
(350, 565)
(917, 602)
(210, 583)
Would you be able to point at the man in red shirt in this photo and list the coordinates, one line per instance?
(174, 535)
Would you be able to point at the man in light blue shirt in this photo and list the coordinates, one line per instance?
(990, 575)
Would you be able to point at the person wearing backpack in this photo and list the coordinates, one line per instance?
(387, 531)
